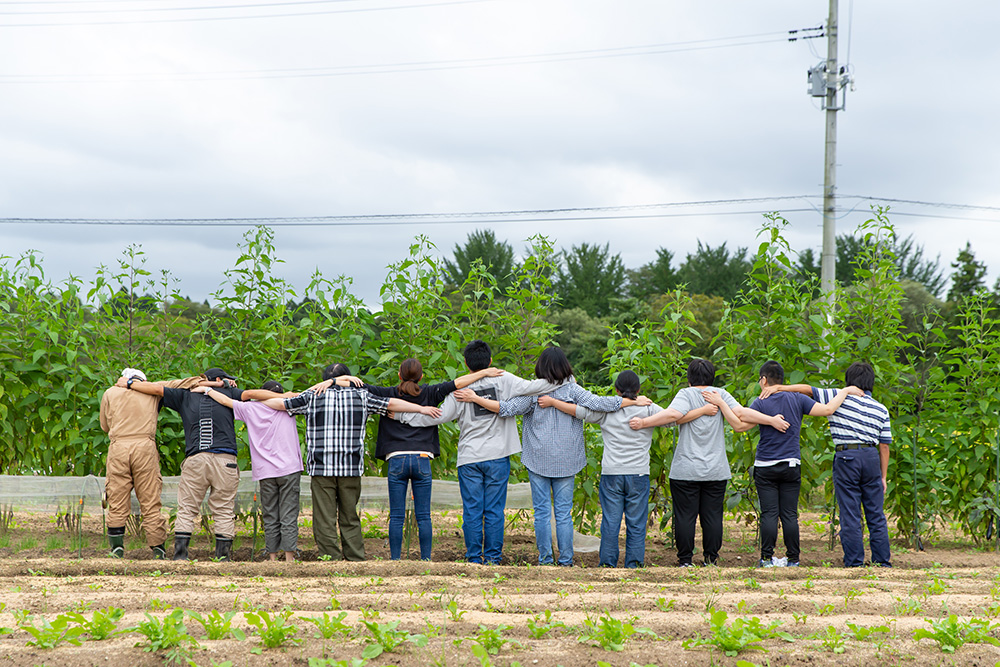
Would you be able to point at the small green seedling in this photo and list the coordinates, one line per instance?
(539, 625)
(610, 633)
(387, 638)
(218, 625)
(103, 624)
(169, 635)
(950, 633)
(274, 630)
(833, 641)
(50, 635)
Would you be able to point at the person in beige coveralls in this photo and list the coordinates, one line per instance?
(129, 418)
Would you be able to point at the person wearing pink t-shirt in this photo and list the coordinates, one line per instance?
(276, 459)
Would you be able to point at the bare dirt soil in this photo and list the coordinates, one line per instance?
(450, 601)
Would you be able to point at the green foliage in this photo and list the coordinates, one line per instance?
(492, 639)
(218, 625)
(387, 638)
(611, 633)
(540, 625)
(274, 630)
(590, 278)
(713, 271)
(50, 635)
(330, 662)
(950, 633)
(169, 635)
(328, 627)
(832, 640)
(102, 625)
(969, 275)
(741, 635)
(481, 245)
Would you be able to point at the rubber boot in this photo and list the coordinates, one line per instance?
(181, 542)
(117, 545)
(159, 552)
(222, 547)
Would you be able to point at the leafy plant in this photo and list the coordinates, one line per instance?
(665, 605)
(741, 635)
(169, 635)
(328, 627)
(453, 611)
(862, 633)
(387, 638)
(492, 639)
(611, 633)
(218, 625)
(274, 630)
(103, 624)
(50, 635)
(345, 662)
(950, 633)
(539, 625)
(832, 640)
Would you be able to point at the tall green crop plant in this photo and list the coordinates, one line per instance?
(773, 317)
(968, 403)
(249, 335)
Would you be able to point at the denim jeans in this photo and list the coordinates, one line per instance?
(628, 495)
(547, 492)
(484, 498)
(414, 470)
(857, 483)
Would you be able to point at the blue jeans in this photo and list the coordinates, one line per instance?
(414, 470)
(857, 482)
(484, 497)
(547, 492)
(628, 495)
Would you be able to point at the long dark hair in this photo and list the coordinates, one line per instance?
(552, 365)
(410, 372)
(628, 384)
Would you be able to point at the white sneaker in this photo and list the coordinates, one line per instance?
(779, 562)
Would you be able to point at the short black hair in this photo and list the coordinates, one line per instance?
(552, 365)
(273, 385)
(335, 371)
(861, 375)
(477, 355)
(701, 373)
(627, 383)
(773, 371)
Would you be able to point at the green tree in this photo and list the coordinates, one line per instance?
(714, 271)
(968, 277)
(655, 278)
(589, 278)
(482, 244)
(583, 338)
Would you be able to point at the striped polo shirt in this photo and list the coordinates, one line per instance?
(860, 420)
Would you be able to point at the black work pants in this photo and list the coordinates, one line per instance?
(698, 500)
(778, 491)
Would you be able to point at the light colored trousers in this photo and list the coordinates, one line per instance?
(220, 476)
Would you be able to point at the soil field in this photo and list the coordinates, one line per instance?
(451, 603)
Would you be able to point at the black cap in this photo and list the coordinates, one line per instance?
(217, 373)
(273, 385)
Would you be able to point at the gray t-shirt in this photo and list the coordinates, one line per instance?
(626, 452)
(700, 455)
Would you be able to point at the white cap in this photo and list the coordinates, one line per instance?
(130, 373)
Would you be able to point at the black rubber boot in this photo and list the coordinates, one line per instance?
(159, 552)
(181, 542)
(222, 547)
(117, 544)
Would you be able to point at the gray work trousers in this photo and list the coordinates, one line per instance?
(279, 501)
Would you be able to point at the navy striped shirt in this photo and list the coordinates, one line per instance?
(860, 420)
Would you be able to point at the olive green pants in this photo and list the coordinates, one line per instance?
(335, 503)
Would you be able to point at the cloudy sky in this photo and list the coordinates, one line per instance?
(153, 109)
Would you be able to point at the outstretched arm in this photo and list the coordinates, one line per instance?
(149, 388)
(469, 396)
(661, 418)
(746, 418)
(797, 388)
(464, 381)
(707, 410)
(827, 409)
(562, 406)
(216, 396)
(399, 405)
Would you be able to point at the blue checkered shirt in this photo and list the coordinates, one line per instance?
(552, 440)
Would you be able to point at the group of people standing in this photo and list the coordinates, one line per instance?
(485, 403)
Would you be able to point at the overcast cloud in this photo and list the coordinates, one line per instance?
(111, 121)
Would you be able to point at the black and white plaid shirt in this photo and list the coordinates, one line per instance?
(335, 428)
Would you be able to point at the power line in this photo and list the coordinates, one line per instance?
(401, 67)
(188, 19)
(971, 207)
(141, 10)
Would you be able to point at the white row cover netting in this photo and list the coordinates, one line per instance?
(58, 494)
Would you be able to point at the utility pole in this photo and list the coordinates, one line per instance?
(827, 80)
(828, 261)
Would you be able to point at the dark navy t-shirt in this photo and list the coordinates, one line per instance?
(775, 445)
(208, 425)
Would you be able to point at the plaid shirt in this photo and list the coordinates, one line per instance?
(335, 428)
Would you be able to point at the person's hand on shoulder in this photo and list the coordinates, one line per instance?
(854, 391)
(431, 411)
(643, 401)
(769, 390)
(492, 372)
(464, 395)
(713, 397)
